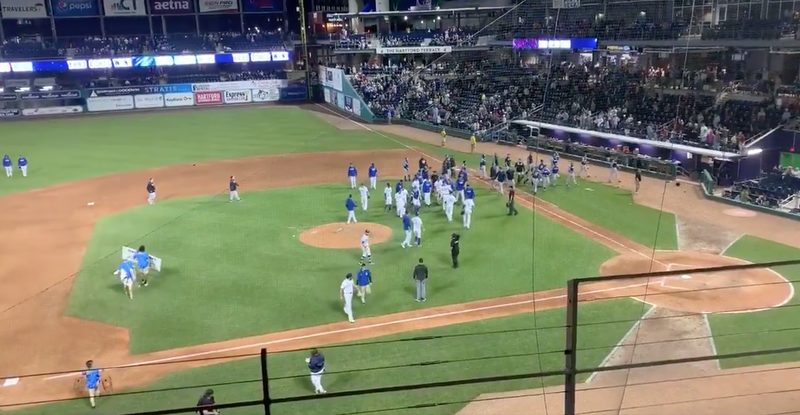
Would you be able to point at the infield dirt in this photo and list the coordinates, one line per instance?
(57, 220)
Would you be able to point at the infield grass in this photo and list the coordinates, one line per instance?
(236, 270)
(516, 345)
(764, 330)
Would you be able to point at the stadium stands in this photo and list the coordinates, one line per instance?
(777, 189)
(33, 48)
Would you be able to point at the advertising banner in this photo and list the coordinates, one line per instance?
(266, 95)
(294, 93)
(332, 77)
(219, 6)
(232, 86)
(124, 8)
(110, 103)
(261, 6)
(18, 83)
(356, 107)
(414, 50)
(8, 97)
(35, 96)
(138, 90)
(23, 9)
(327, 93)
(73, 109)
(238, 97)
(128, 253)
(183, 99)
(348, 104)
(148, 101)
(208, 98)
(9, 113)
(74, 8)
(171, 7)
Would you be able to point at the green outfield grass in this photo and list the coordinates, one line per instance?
(526, 343)
(765, 330)
(235, 270)
(63, 150)
(609, 207)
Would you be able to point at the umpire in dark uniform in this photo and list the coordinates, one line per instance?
(455, 249)
(420, 279)
(206, 403)
(519, 169)
(637, 181)
(512, 193)
(510, 176)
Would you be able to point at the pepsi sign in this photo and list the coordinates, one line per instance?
(74, 8)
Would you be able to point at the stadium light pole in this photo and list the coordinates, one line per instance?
(304, 40)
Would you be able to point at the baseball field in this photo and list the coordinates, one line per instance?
(265, 273)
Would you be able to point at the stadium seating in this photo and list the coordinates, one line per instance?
(769, 190)
(35, 48)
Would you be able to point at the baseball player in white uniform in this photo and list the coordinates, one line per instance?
(387, 198)
(469, 204)
(400, 203)
(415, 184)
(445, 190)
(364, 191)
(346, 293)
(613, 174)
(536, 178)
(449, 202)
(416, 225)
(584, 167)
(571, 175)
(437, 186)
(366, 253)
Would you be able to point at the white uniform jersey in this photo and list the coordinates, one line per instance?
(398, 198)
(416, 224)
(347, 287)
(415, 185)
(446, 189)
(404, 195)
(449, 199)
(364, 192)
(365, 241)
(469, 204)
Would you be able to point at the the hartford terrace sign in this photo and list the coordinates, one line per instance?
(414, 50)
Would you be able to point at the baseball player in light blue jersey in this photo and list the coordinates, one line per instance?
(407, 229)
(352, 173)
(372, 173)
(126, 274)
(143, 261)
(22, 163)
(554, 174)
(8, 166)
(92, 377)
(571, 175)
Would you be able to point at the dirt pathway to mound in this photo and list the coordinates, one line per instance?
(57, 221)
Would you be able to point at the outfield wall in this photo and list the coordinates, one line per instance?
(153, 97)
(338, 92)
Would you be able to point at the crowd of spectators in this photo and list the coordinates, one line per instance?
(455, 37)
(612, 99)
(37, 47)
(770, 189)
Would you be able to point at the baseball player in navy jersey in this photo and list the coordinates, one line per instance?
(536, 179)
(233, 187)
(500, 179)
(584, 166)
(8, 166)
(352, 173)
(407, 231)
(613, 169)
(350, 205)
(571, 175)
(151, 191)
(363, 282)
(316, 363)
(372, 172)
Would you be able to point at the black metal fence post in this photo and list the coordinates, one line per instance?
(265, 383)
(570, 349)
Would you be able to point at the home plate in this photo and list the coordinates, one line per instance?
(686, 277)
(90, 204)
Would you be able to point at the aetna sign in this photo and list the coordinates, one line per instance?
(171, 6)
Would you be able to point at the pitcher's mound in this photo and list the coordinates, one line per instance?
(340, 235)
(738, 291)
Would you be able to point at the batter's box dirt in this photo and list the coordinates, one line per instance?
(739, 291)
(340, 235)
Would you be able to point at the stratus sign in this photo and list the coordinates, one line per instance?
(414, 50)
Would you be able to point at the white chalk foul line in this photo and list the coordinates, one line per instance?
(570, 221)
(353, 329)
(619, 344)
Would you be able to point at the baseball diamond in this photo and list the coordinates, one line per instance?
(255, 274)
